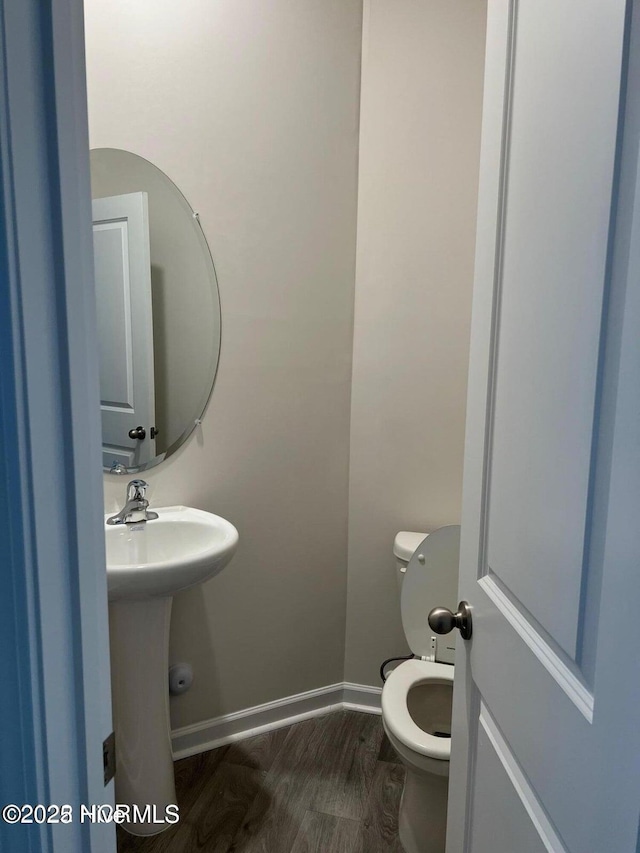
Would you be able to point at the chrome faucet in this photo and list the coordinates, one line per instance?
(135, 510)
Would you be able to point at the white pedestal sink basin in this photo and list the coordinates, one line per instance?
(147, 563)
(180, 548)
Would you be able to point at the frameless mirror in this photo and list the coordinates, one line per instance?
(158, 311)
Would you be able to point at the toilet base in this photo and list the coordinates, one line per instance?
(422, 821)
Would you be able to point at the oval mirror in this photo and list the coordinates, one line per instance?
(158, 311)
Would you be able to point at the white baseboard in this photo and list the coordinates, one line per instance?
(361, 697)
(228, 728)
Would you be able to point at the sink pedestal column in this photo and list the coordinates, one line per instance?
(139, 640)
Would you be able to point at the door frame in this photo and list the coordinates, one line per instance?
(55, 705)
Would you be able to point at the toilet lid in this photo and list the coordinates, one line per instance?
(431, 581)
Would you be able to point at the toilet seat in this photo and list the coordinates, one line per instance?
(431, 580)
(395, 710)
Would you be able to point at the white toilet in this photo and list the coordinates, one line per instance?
(416, 697)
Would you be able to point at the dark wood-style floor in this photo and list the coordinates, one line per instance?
(326, 785)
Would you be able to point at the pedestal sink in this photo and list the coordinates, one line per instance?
(147, 563)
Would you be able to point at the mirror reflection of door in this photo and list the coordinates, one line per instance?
(122, 260)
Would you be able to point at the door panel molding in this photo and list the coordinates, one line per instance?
(496, 126)
(124, 398)
(548, 655)
(563, 622)
(528, 797)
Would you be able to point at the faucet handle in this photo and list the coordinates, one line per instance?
(136, 490)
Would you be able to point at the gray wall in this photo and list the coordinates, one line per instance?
(422, 72)
(252, 110)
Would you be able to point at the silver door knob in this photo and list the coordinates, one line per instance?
(442, 620)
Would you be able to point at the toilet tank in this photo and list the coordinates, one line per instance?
(404, 547)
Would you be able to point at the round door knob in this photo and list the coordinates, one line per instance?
(442, 620)
(138, 432)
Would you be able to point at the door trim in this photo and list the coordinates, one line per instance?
(53, 610)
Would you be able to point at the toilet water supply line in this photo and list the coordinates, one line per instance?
(391, 660)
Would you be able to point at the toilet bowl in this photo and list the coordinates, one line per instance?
(417, 695)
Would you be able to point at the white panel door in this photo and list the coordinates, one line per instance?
(546, 736)
(125, 328)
